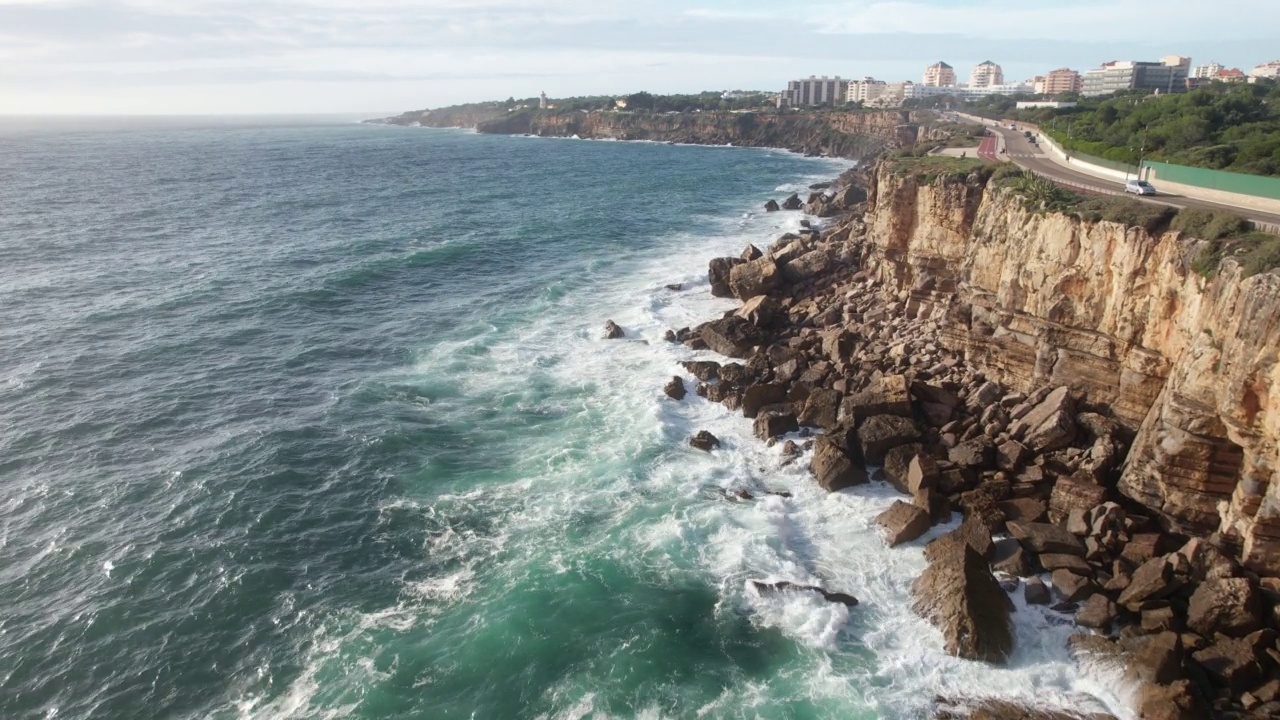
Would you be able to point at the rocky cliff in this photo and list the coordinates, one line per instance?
(845, 134)
(851, 134)
(1189, 364)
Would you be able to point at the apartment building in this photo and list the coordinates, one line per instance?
(867, 90)
(816, 91)
(1062, 80)
(1266, 70)
(939, 74)
(1169, 75)
(986, 74)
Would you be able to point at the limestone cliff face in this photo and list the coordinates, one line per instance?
(1041, 299)
(843, 134)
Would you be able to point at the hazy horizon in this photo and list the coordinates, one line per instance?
(343, 57)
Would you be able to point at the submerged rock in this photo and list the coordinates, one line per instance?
(612, 331)
(836, 597)
(704, 441)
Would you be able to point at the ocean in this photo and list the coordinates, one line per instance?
(303, 418)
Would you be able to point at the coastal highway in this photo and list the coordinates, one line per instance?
(1026, 155)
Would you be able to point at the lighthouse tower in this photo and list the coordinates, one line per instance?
(542, 101)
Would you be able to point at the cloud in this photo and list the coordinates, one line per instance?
(335, 54)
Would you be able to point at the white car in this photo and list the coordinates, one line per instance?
(1139, 187)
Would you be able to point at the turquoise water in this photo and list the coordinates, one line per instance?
(304, 419)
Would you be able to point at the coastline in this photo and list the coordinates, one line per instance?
(903, 332)
(852, 135)
(741, 378)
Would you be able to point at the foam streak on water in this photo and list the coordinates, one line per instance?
(305, 420)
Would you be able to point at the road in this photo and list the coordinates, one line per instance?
(1027, 155)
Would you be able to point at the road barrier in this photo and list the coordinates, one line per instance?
(1220, 180)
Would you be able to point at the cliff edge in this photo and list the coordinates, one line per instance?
(1117, 312)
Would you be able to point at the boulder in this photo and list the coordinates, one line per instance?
(675, 388)
(1230, 606)
(1231, 663)
(833, 468)
(1207, 562)
(1153, 580)
(612, 331)
(922, 474)
(704, 370)
(896, 466)
(771, 206)
(774, 421)
(750, 252)
(881, 433)
(760, 311)
(731, 336)
(1072, 587)
(1074, 493)
(1155, 659)
(1008, 557)
(1035, 592)
(757, 277)
(976, 452)
(705, 441)
(1059, 400)
(1045, 538)
(971, 533)
(1098, 612)
(839, 345)
(718, 273)
(960, 596)
(886, 396)
(1177, 701)
(1010, 455)
(821, 409)
(760, 395)
(807, 266)
(934, 502)
(1023, 510)
(793, 203)
(1074, 563)
(903, 522)
(1054, 433)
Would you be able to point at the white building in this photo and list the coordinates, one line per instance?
(1266, 70)
(542, 101)
(985, 74)
(867, 90)
(1206, 71)
(816, 91)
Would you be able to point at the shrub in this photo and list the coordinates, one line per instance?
(1256, 252)
(1207, 225)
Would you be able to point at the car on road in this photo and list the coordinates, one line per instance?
(1139, 187)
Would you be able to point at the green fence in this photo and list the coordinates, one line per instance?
(1256, 185)
(1072, 148)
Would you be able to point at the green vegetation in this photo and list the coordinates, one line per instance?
(1256, 252)
(1223, 235)
(927, 168)
(959, 135)
(1233, 127)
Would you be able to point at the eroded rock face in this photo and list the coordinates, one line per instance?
(1116, 314)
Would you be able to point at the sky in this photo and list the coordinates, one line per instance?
(352, 56)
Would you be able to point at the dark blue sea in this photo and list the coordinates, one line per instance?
(303, 418)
